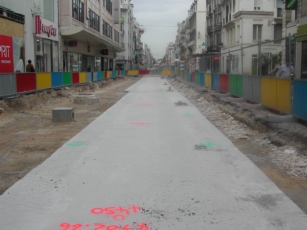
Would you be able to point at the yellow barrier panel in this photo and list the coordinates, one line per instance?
(269, 92)
(166, 72)
(182, 73)
(283, 95)
(208, 80)
(43, 80)
(82, 77)
(132, 72)
(177, 72)
(109, 74)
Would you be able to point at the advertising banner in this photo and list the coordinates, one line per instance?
(45, 28)
(6, 54)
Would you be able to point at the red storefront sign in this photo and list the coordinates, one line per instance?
(216, 58)
(6, 54)
(38, 24)
(40, 27)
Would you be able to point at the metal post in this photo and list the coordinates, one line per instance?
(289, 39)
(259, 60)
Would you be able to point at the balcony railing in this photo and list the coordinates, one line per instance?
(279, 13)
(213, 48)
(209, 29)
(124, 7)
(218, 26)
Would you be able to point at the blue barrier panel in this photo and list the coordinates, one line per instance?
(99, 76)
(7, 84)
(300, 99)
(201, 78)
(123, 73)
(114, 74)
(215, 81)
(56, 79)
(89, 76)
(188, 76)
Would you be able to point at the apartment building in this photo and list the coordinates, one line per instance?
(90, 32)
(181, 43)
(148, 58)
(125, 59)
(39, 40)
(139, 52)
(245, 23)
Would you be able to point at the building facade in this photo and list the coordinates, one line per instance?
(245, 23)
(90, 34)
(125, 59)
(41, 32)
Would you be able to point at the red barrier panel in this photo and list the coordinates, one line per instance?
(193, 77)
(224, 82)
(144, 71)
(25, 82)
(118, 73)
(105, 74)
(75, 78)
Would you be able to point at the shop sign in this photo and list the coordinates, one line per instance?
(6, 54)
(45, 28)
(216, 58)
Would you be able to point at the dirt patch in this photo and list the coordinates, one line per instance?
(28, 136)
(282, 159)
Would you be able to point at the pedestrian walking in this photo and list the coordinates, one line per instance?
(30, 67)
(285, 70)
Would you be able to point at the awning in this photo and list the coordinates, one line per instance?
(84, 35)
(301, 30)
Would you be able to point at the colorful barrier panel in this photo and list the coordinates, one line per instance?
(197, 80)
(208, 80)
(75, 78)
(82, 77)
(216, 81)
(166, 72)
(144, 72)
(25, 82)
(236, 85)
(252, 88)
(201, 78)
(43, 80)
(276, 94)
(132, 72)
(182, 74)
(113, 74)
(192, 77)
(188, 76)
(123, 72)
(224, 82)
(56, 79)
(67, 78)
(300, 99)
(8, 84)
(89, 76)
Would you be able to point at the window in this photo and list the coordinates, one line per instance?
(234, 5)
(78, 10)
(257, 32)
(108, 5)
(116, 36)
(304, 8)
(257, 4)
(107, 29)
(93, 21)
(45, 8)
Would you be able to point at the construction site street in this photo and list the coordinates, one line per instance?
(151, 161)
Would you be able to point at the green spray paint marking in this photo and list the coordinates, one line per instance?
(209, 144)
(108, 113)
(75, 144)
(187, 113)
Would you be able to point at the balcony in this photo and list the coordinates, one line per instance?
(123, 45)
(218, 27)
(124, 7)
(213, 48)
(209, 29)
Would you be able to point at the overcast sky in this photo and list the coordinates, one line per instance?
(160, 13)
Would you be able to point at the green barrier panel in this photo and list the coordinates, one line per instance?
(67, 78)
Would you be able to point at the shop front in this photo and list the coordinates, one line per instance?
(302, 46)
(87, 51)
(46, 45)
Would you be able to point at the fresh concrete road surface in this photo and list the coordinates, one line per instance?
(148, 163)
